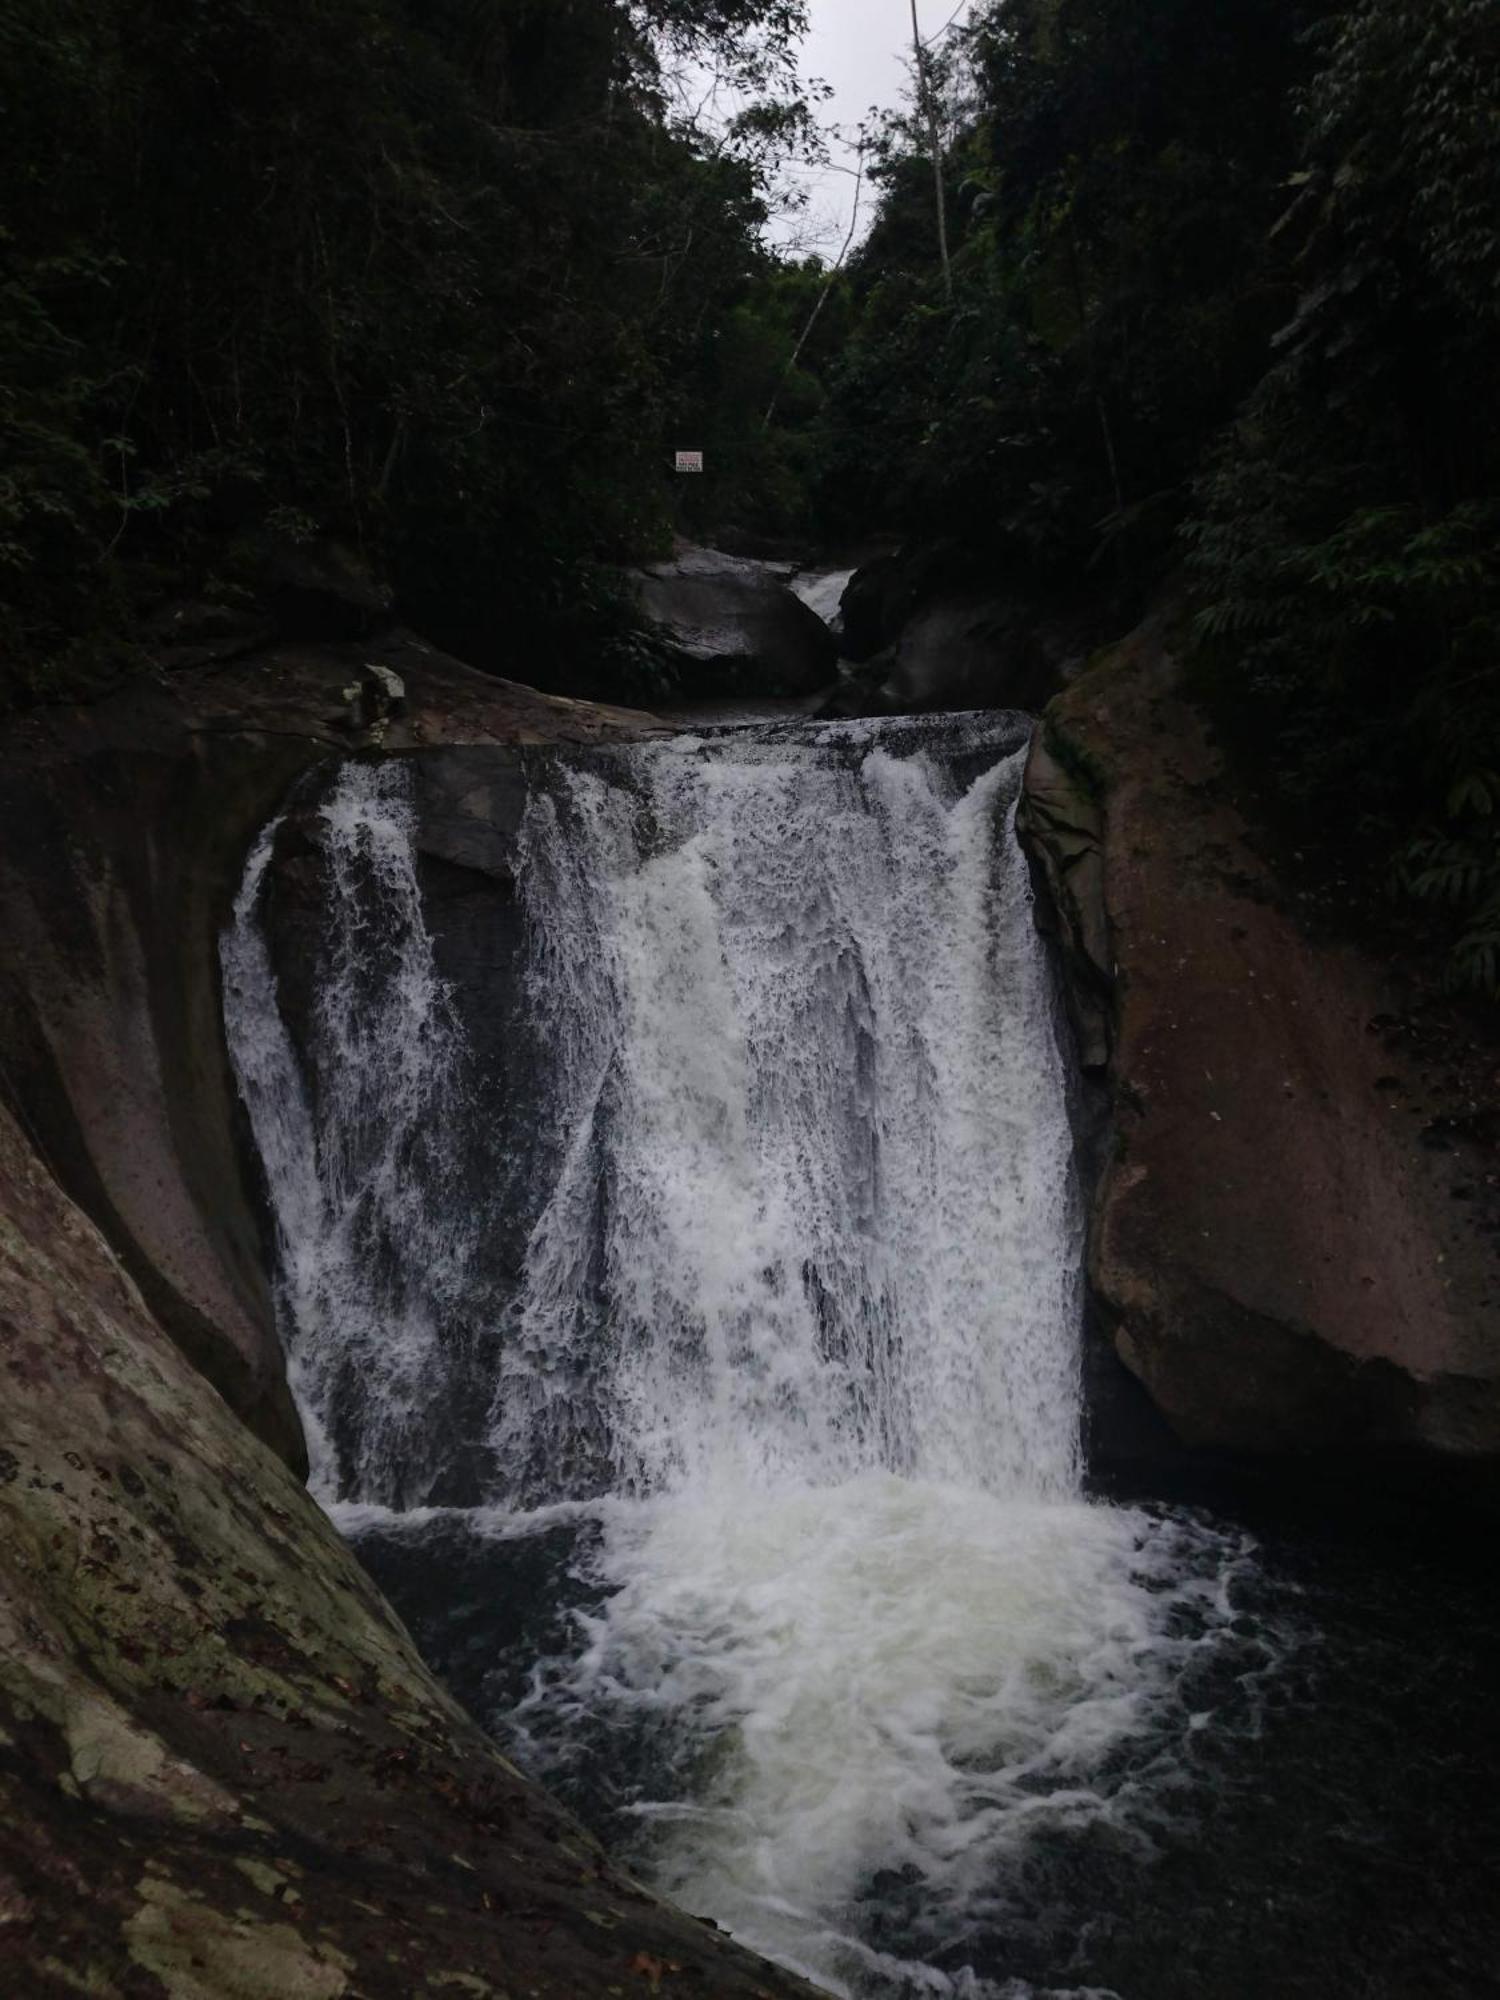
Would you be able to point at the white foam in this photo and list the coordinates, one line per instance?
(798, 1330)
(822, 591)
(885, 1675)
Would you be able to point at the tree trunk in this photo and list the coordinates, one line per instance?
(927, 106)
(823, 296)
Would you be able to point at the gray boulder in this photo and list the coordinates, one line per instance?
(321, 591)
(982, 649)
(928, 631)
(732, 626)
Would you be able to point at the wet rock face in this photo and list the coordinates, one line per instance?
(1276, 1251)
(734, 627)
(223, 1769)
(466, 804)
(469, 806)
(118, 849)
(1061, 823)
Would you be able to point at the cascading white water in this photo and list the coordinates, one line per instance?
(818, 1161)
(373, 1237)
(822, 591)
(797, 1329)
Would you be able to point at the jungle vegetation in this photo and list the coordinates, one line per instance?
(447, 280)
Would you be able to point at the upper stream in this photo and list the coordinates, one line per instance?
(754, 1325)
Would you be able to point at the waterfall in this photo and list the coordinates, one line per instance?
(816, 1213)
(374, 1241)
(793, 1344)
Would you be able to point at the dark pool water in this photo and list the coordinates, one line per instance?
(1335, 1831)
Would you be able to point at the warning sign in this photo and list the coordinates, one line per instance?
(690, 461)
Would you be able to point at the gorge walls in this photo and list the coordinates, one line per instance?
(201, 1695)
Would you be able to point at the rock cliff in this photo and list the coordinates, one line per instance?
(1295, 1237)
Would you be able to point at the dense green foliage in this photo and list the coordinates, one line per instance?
(1112, 182)
(1226, 286)
(440, 278)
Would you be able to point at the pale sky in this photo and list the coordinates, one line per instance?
(863, 48)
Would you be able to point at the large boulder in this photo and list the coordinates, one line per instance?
(321, 590)
(731, 626)
(928, 630)
(886, 592)
(869, 617)
(1296, 1240)
(980, 648)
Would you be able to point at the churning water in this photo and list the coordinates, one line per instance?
(787, 1383)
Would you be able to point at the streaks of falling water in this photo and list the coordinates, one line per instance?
(810, 1271)
(373, 1234)
(819, 1164)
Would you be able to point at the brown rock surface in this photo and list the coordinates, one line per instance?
(1277, 1248)
(223, 1769)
